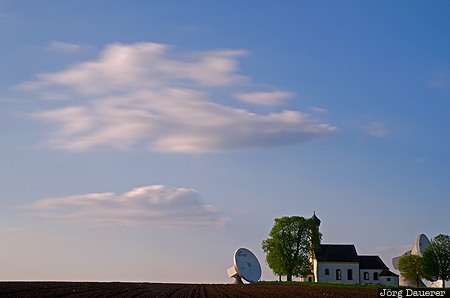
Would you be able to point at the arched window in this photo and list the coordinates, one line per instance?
(366, 275)
(375, 276)
(349, 274)
(338, 274)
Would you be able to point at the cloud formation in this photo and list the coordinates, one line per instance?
(377, 129)
(138, 93)
(64, 47)
(272, 98)
(154, 205)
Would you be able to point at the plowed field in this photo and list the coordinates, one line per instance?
(125, 289)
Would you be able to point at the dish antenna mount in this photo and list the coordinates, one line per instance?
(246, 266)
(417, 249)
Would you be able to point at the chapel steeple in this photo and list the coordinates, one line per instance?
(316, 219)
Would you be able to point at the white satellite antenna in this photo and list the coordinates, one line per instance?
(420, 245)
(245, 266)
(417, 249)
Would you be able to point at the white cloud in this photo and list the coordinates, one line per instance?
(265, 98)
(123, 68)
(154, 205)
(137, 93)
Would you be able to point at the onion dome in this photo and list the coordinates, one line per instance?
(316, 219)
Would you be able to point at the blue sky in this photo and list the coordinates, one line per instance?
(147, 141)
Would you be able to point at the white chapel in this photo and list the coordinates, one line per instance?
(341, 263)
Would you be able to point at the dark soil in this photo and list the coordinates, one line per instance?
(125, 289)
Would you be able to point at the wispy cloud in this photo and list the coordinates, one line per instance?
(394, 251)
(318, 110)
(154, 205)
(10, 229)
(440, 79)
(125, 68)
(377, 129)
(139, 93)
(272, 98)
(65, 47)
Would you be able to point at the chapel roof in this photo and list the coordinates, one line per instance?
(387, 272)
(371, 262)
(337, 253)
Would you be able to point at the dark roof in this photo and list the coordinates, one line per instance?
(316, 219)
(371, 262)
(337, 253)
(387, 272)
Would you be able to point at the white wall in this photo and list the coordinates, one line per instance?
(392, 282)
(333, 266)
(370, 280)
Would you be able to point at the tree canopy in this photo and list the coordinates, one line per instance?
(290, 245)
(436, 259)
(410, 267)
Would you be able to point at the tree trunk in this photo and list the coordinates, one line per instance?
(443, 282)
(289, 277)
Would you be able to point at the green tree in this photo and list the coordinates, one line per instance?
(410, 267)
(288, 249)
(436, 259)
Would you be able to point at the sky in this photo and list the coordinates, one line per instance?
(148, 140)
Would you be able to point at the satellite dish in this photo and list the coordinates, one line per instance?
(420, 245)
(417, 249)
(245, 266)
